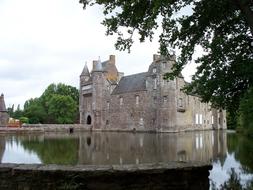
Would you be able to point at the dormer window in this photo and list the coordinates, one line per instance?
(154, 70)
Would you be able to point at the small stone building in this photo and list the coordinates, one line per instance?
(143, 101)
(4, 117)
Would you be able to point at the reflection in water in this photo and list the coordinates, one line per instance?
(2, 148)
(115, 148)
(132, 148)
(226, 151)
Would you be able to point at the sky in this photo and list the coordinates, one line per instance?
(49, 41)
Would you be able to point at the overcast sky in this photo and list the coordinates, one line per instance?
(49, 41)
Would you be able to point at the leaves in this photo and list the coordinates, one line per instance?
(223, 28)
(58, 104)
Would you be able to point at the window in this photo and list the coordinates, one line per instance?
(165, 99)
(197, 119)
(154, 70)
(212, 119)
(121, 101)
(164, 65)
(155, 83)
(137, 99)
(200, 119)
(108, 105)
(180, 102)
(155, 99)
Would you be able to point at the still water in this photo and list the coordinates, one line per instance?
(225, 150)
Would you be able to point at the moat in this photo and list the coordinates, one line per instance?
(225, 150)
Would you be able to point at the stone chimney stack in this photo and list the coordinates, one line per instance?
(156, 57)
(94, 64)
(112, 59)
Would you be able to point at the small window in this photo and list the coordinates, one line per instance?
(155, 99)
(154, 70)
(121, 101)
(164, 65)
(155, 83)
(108, 105)
(197, 119)
(107, 122)
(165, 99)
(180, 102)
(200, 119)
(212, 120)
(137, 99)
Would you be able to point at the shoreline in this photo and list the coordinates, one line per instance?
(70, 128)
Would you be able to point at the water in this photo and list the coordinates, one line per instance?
(224, 150)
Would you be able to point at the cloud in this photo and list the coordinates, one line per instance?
(44, 42)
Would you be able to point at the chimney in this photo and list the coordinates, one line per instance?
(156, 57)
(94, 65)
(112, 59)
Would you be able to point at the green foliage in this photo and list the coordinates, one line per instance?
(242, 147)
(34, 110)
(223, 28)
(62, 109)
(246, 112)
(58, 104)
(24, 120)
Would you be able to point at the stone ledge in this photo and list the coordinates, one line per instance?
(160, 176)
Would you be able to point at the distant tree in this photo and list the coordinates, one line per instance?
(17, 113)
(57, 104)
(62, 109)
(10, 110)
(34, 110)
(223, 28)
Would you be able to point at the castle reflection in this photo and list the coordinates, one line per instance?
(136, 148)
(115, 148)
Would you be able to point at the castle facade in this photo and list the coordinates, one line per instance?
(144, 101)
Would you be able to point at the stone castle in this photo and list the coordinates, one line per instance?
(144, 101)
(3, 112)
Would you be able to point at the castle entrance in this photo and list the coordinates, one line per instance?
(88, 120)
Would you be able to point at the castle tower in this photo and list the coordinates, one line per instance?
(3, 112)
(164, 92)
(85, 96)
(98, 89)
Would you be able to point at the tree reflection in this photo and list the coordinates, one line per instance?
(54, 150)
(242, 146)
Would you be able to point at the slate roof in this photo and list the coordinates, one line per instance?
(85, 70)
(131, 83)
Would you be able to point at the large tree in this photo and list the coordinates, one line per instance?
(223, 28)
(57, 104)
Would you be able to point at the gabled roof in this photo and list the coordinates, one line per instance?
(131, 83)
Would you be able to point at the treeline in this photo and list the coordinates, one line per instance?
(242, 120)
(58, 104)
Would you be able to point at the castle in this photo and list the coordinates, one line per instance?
(144, 101)
(3, 112)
